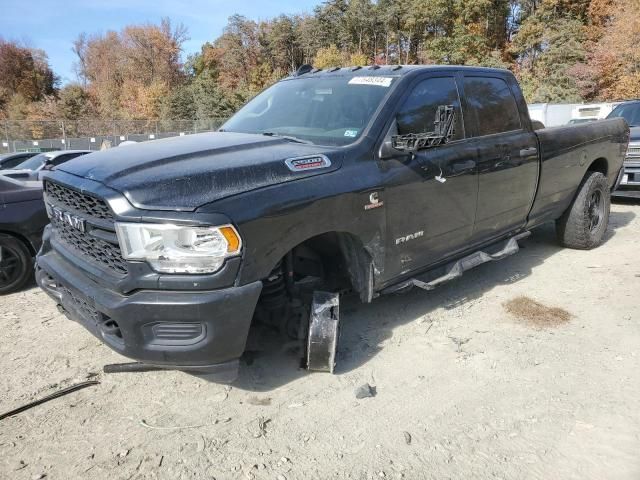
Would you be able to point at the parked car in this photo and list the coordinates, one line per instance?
(31, 168)
(372, 180)
(630, 183)
(11, 160)
(22, 220)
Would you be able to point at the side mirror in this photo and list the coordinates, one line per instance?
(387, 150)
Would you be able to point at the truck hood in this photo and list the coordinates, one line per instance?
(184, 173)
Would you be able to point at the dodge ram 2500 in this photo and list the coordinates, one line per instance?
(370, 180)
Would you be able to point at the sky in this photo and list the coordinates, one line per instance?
(53, 25)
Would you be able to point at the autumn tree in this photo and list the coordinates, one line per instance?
(549, 42)
(560, 50)
(131, 71)
(611, 70)
(25, 72)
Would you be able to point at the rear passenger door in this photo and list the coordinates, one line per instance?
(507, 155)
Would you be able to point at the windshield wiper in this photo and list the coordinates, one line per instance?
(287, 137)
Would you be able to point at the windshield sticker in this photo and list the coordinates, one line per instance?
(351, 133)
(377, 81)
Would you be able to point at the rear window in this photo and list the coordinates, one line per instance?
(629, 111)
(492, 105)
(11, 163)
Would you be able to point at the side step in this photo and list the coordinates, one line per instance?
(453, 270)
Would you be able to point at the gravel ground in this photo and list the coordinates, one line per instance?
(528, 368)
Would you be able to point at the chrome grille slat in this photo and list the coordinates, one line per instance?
(633, 151)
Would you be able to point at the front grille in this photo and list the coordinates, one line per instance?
(78, 202)
(633, 151)
(97, 250)
(88, 313)
(84, 308)
(93, 243)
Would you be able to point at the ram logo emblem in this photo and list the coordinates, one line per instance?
(411, 236)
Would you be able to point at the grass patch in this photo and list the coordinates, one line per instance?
(535, 314)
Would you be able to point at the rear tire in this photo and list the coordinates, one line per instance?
(584, 223)
(15, 264)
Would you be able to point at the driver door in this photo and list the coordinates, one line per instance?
(431, 195)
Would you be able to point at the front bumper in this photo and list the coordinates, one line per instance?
(202, 332)
(629, 185)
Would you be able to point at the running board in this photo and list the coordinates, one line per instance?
(455, 269)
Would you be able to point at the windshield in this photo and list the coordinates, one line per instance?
(630, 112)
(33, 163)
(325, 110)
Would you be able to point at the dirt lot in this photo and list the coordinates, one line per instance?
(527, 368)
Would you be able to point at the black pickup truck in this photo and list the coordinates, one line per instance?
(367, 180)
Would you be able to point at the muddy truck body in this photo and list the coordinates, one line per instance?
(364, 180)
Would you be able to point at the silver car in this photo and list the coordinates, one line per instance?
(30, 169)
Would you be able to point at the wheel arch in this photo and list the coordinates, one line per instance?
(348, 248)
(599, 165)
(22, 238)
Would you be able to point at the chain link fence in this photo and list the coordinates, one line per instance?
(48, 135)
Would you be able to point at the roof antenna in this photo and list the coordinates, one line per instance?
(306, 68)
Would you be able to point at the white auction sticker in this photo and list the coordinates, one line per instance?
(377, 81)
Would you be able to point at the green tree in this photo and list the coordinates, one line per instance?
(550, 42)
(329, 57)
(74, 102)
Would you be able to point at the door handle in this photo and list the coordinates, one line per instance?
(527, 152)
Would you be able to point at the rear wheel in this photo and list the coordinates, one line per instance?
(15, 264)
(585, 222)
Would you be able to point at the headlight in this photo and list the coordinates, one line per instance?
(172, 248)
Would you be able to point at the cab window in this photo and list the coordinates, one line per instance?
(492, 106)
(418, 112)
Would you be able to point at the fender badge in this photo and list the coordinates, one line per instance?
(374, 202)
(310, 162)
(407, 238)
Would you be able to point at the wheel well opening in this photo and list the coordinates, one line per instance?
(599, 165)
(331, 262)
(23, 239)
(337, 260)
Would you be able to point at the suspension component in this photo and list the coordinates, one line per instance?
(274, 290)
(324, 331)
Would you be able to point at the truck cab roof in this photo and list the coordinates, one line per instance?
(386, 70)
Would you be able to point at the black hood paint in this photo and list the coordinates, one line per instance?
(15, 191)
(184, 173)
(635, 134)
